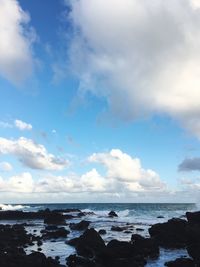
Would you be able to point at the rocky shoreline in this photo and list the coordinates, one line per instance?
(91, 249)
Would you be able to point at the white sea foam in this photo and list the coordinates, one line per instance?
(12, 207)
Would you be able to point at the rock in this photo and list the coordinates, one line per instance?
(194, 252)
(181, 262)
(112, 214)
(117, 228)
(76, 261)
(147, 247)
(58, 233)
(119, 249)
(73, 242)
(139, 229)
(89, 243)
(83, 225)
(193, 217)
(172, 234)
(55, 218)
(102, 232)
(51, 227)
(160, 217)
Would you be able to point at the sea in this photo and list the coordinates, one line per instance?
(140, 215)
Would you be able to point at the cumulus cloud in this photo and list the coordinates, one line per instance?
(5, 166)
(121, 167)
(21, 125)
(31, 154)
(17, 37)
(124, 176)
(142, 56)
(190, 164)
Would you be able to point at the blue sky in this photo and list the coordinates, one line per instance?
(99, 102)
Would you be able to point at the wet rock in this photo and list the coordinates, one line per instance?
(89, 243)
(55, 218)
(160, 217)
(112, 214)
(83, 225)
(102, 232)
(193, 217)
(194, 252)
(172, 234)
(58, 233)
(181, 262)
(76, 261)
(119, 249)
(127, 232)
(147, 247)
(117, 228)
(73, 242)
(139, 229)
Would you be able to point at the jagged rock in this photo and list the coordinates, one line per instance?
(181, 262)
(55, 218)
(83, 225)
(90, 243)
(102, 232)
(172, 234)
(112, 214)
(117, 228)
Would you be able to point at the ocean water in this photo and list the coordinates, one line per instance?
(138, 215)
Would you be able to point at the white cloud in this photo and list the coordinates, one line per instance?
(93, 181)
(31, 154)
(17, 37)
(142, 56)
(124, 176)
(21, 125)
(5, 166)
(121, 167)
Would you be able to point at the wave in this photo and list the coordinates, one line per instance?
(12, 207)
(104, 213)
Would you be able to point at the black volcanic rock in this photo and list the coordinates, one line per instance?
(193, 217)
(181, 262)
(172, 234)
(112, 214)
(83, 225)
(117, 228)
(58, 233)
(55, 218)
(102, 232)
(90, 243)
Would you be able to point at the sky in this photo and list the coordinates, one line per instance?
(99, 101)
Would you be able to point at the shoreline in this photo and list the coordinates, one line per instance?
(91, 249)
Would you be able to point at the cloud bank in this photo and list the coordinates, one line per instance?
(17, 37)
(123, 175)
(141, 56)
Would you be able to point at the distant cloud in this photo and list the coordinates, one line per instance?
(122, 168)
(31, 154)
(21, 125)
(141, 56)
(190, 164)
(124, 175)
(17, 38)
(5, 166)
